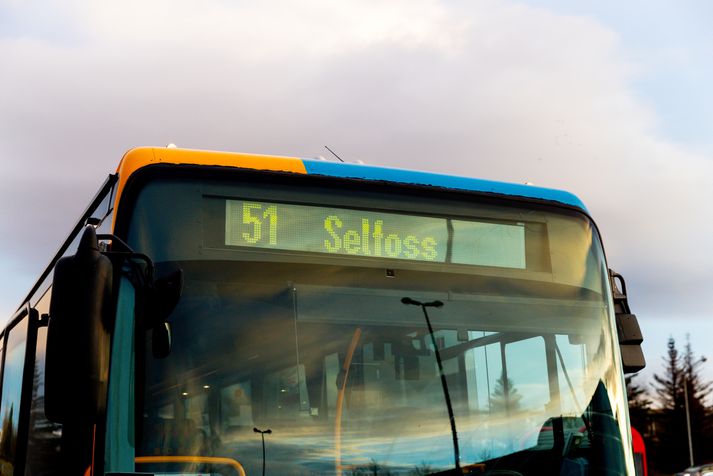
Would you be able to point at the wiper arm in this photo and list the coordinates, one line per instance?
(444, 384)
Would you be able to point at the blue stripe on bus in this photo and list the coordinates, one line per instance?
(367, 172)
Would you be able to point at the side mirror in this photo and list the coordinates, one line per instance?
(78, 335)
(627, 326)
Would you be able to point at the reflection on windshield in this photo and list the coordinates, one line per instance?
(346, 380)
(294, 334)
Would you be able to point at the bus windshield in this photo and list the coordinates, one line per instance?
(293, 352)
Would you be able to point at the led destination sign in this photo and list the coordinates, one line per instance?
(363, 233)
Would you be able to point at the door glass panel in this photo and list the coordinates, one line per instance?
(43, 445)
(11, 396)
(120, 409)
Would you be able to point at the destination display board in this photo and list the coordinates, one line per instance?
(376, 234)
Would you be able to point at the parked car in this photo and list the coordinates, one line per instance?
(701, 470)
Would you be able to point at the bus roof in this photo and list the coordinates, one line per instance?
(138, 158)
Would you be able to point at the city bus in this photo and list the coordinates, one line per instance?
(218, 313)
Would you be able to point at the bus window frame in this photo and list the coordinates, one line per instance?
(28, 362)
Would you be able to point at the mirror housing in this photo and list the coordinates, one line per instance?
(78, 335)
(627, 327)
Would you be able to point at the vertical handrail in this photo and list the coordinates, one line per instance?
(340, 402)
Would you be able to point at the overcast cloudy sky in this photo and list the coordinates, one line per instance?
(610, 100)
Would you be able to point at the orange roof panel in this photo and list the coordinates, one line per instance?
(140, 157)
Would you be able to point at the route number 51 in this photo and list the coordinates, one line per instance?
(257, 215)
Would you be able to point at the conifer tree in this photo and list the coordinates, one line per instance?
(697, 390)
(668, 386)
(505, 396)
(639, 405)
(682, 378)
(671, 453)
(7, 441)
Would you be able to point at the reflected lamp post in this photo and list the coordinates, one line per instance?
(262, 434)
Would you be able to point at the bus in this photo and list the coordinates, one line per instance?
(218, 313)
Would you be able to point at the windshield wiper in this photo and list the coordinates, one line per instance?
(446, 394)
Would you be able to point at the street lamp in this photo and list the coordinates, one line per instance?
(688, 414)
(688, 419)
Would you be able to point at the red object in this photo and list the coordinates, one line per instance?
(639, 453)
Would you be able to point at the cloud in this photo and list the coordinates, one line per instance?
(280, 29)
(491, 89)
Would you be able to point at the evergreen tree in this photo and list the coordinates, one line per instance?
(682, 378)
(505, 396)
(7, 440)
(639, 405)
(668, 386)
(671, 453)
(697, 391)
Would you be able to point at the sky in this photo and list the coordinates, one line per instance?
(609, 100)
